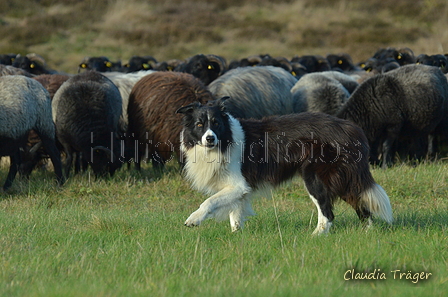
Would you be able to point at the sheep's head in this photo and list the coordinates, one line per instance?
(137, 63)
(104, 161)
(32, 63)
(205, 67)
(100, 64)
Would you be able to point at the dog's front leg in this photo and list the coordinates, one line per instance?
(238, 215)
(217, 206)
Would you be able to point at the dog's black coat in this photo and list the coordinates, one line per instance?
(330, 154)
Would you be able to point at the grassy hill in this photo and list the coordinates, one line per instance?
(63, 32)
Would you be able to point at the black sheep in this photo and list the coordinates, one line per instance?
(205, 67)
(86, 111)
(405, 104)
(101, 64)
(32, 63)
(137, 63)
(438, 60)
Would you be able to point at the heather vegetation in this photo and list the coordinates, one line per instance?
(63, 32)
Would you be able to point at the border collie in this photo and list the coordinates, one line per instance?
(232, 159)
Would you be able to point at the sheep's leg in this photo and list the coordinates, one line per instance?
(55, 156)
(81, 164)
(158, 164)
(68, 160)
(388, 146)
(13, 168)
(374, 155)
(78, 163)
(432, 145)
(388, 152)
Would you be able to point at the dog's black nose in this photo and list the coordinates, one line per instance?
(210, 139)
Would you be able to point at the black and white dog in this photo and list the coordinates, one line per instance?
(231, 159)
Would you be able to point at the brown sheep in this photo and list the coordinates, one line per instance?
(52, 82)
(154, 127)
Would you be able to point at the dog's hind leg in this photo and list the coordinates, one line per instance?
(363, 212)
(219, 205)
(238, 215)
(323, 221)
(323, 200)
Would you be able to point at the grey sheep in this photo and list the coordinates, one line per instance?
(317, 92)
(86, 111)
(405, 104)
(33, 153)
(348, 80)
(255, 92)
(24, 106)
(11, 70)
(125, 82)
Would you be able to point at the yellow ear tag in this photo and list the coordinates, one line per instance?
(369, 69)
(340, 62)
(293, 73)
(108, 64)
(210, 67)
(362, 65)
(32, 65)
(83, 65)
(399, 56)
(145, 66)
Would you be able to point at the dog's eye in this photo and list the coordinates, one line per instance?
(199, 125)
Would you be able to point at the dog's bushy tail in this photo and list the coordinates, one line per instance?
(377, 202)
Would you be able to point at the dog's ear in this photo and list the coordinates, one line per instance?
(222, 101)
(188, 108)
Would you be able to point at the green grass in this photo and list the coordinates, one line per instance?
(125, 237)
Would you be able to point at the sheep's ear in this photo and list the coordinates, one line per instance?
(188, 108)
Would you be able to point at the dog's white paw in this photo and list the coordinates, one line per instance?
(235, 226)
(322, 228)
(196, 218)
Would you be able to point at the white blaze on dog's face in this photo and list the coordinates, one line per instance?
(207, 121)
(206, 126)
(209, 139)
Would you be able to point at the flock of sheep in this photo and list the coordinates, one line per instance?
(110, 114)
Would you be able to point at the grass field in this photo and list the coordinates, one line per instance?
(125, 237)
